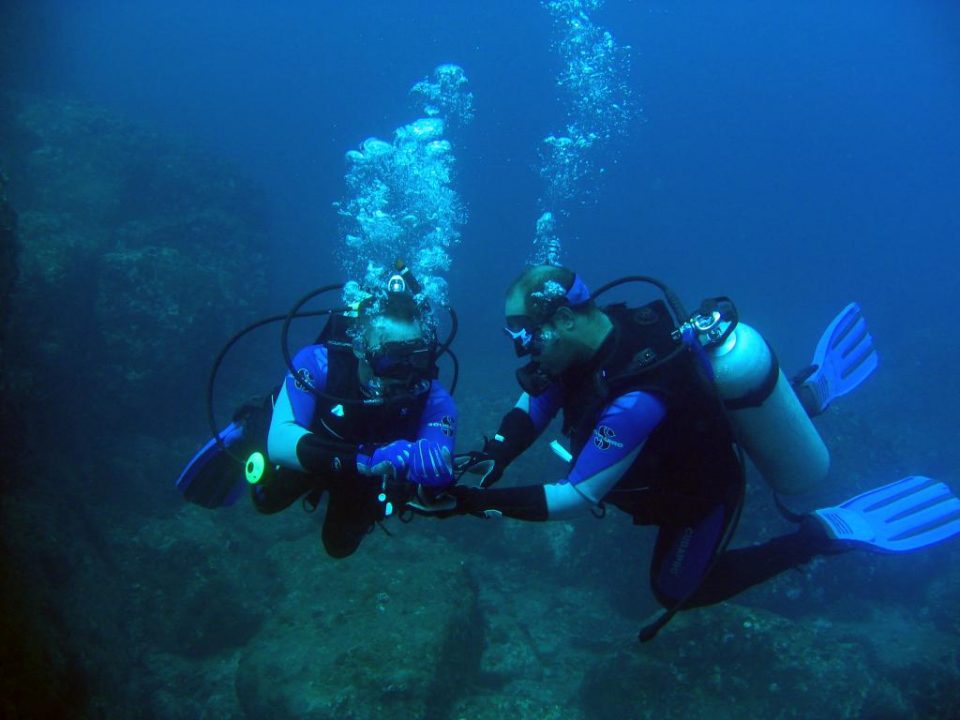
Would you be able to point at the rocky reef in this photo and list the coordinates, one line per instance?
(8, 248)
(125, 260)
(137, 257)
(8, 274)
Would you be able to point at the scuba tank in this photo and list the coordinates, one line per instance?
(766, 416)
(765, 413)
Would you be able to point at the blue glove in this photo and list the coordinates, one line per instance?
(392, 460)
(431, 464)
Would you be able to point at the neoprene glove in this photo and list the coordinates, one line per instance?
(392, 460)
(526, 502)
(523, 503)
(431, 464)
(452, 501)
(488, 463)
(515, 434)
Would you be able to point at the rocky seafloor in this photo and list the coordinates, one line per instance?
(196, 614)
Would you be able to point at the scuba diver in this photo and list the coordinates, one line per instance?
(658, 406)
(360, 416)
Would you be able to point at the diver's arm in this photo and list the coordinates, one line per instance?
(619, 435)
(290, 443)
(428, 460)
(438, 423)
(520, 427)
(285, 434)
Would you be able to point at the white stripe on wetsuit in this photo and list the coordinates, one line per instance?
(619, 435)
(284, 433)
(565, 500)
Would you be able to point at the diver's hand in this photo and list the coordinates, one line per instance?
(435, 502)
(431, 464)
(488, 463)
(479, 462)
(391, 460)
(455, 500)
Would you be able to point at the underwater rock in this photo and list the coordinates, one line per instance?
(943, 598)
(196, 610)
(155, 248)
(11, 430)
(391, 632)
(8, 249)
(136, 258)
(729, 662)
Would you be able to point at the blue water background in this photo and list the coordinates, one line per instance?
(794, 156)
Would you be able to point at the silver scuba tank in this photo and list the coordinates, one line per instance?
(766, 416)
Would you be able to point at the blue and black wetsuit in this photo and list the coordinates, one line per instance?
(316, 444)
(651, 439)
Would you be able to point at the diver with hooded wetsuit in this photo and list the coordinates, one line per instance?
(364, 421)
(650, 435)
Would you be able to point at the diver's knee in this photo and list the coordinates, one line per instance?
(339, 549)
(264, 503)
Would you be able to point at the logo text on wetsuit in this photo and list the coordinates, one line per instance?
(303, 380)
(603, 438)
(446, 424)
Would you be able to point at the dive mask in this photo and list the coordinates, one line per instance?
(526, 335)
(402, 360)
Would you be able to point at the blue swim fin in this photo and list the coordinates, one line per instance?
(844, 358)
(212, 478)
(909, 514)
(215, 477)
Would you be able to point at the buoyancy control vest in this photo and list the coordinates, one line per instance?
(355, 422)
(689, 462)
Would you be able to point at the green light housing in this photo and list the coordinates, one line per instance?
(255, 466)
